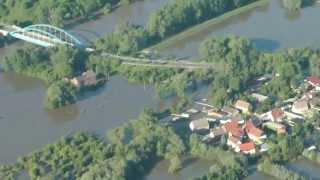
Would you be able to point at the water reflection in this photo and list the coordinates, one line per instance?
(18, 83)
(265, 44)
(268, 22)
(194, 168)
(60, 116)
(136, 13)
(306, 168)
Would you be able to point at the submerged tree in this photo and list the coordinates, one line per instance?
(292, 5)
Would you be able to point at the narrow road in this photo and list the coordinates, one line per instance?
(181, 64)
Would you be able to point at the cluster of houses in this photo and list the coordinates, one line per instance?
(86, 79)
(246, 135)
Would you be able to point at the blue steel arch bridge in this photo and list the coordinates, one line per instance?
(50, 36)
(42, 35)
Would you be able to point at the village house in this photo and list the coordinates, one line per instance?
(247, 148)
(300, 107)
(216, 114)
(88, 78)
(277, 115)
(253, 132)
(199, 125)
(314, 81)
(217, 132)
(230, 111)
(233, 129)
(308, 96)
(234, 142)
(237, 119)
(243, 106)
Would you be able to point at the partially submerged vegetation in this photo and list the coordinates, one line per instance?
(180, 14)
(237, 62)
(132, 149)
(137, 145)
(52, 66)
(209, 23)
(279, 171)
(52, 12)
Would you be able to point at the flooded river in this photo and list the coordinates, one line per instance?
(270, 27)
(26, 126)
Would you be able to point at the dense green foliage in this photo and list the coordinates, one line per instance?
(279, 171)
(237, 62)
(60, 94)
(228, 165)
(54, 12)
(221, 173)
(126, 39)
(288, 148)
(172, 18)
(51, 66)
(133, 148)
(292, 5)
(312, 155)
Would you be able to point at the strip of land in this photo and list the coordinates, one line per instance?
(200, 27)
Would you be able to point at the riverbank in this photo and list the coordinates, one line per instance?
(200, 27)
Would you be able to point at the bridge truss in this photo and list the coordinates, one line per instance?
(46, 35)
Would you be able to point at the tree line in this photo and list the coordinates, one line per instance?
(130, 152)
(56, 12)
(170, 19)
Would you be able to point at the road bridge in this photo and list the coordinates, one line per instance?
(41, 34)
(49, 36)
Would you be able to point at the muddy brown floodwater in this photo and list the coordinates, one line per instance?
(26, 126)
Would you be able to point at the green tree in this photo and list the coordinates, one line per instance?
(292, 5)
(59, 94)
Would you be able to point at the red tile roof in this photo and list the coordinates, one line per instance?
(314, 80)
(247, 146)
(233, 128)
(251, 129)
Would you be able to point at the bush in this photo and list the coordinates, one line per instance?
(279, 171)
(60, 94)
